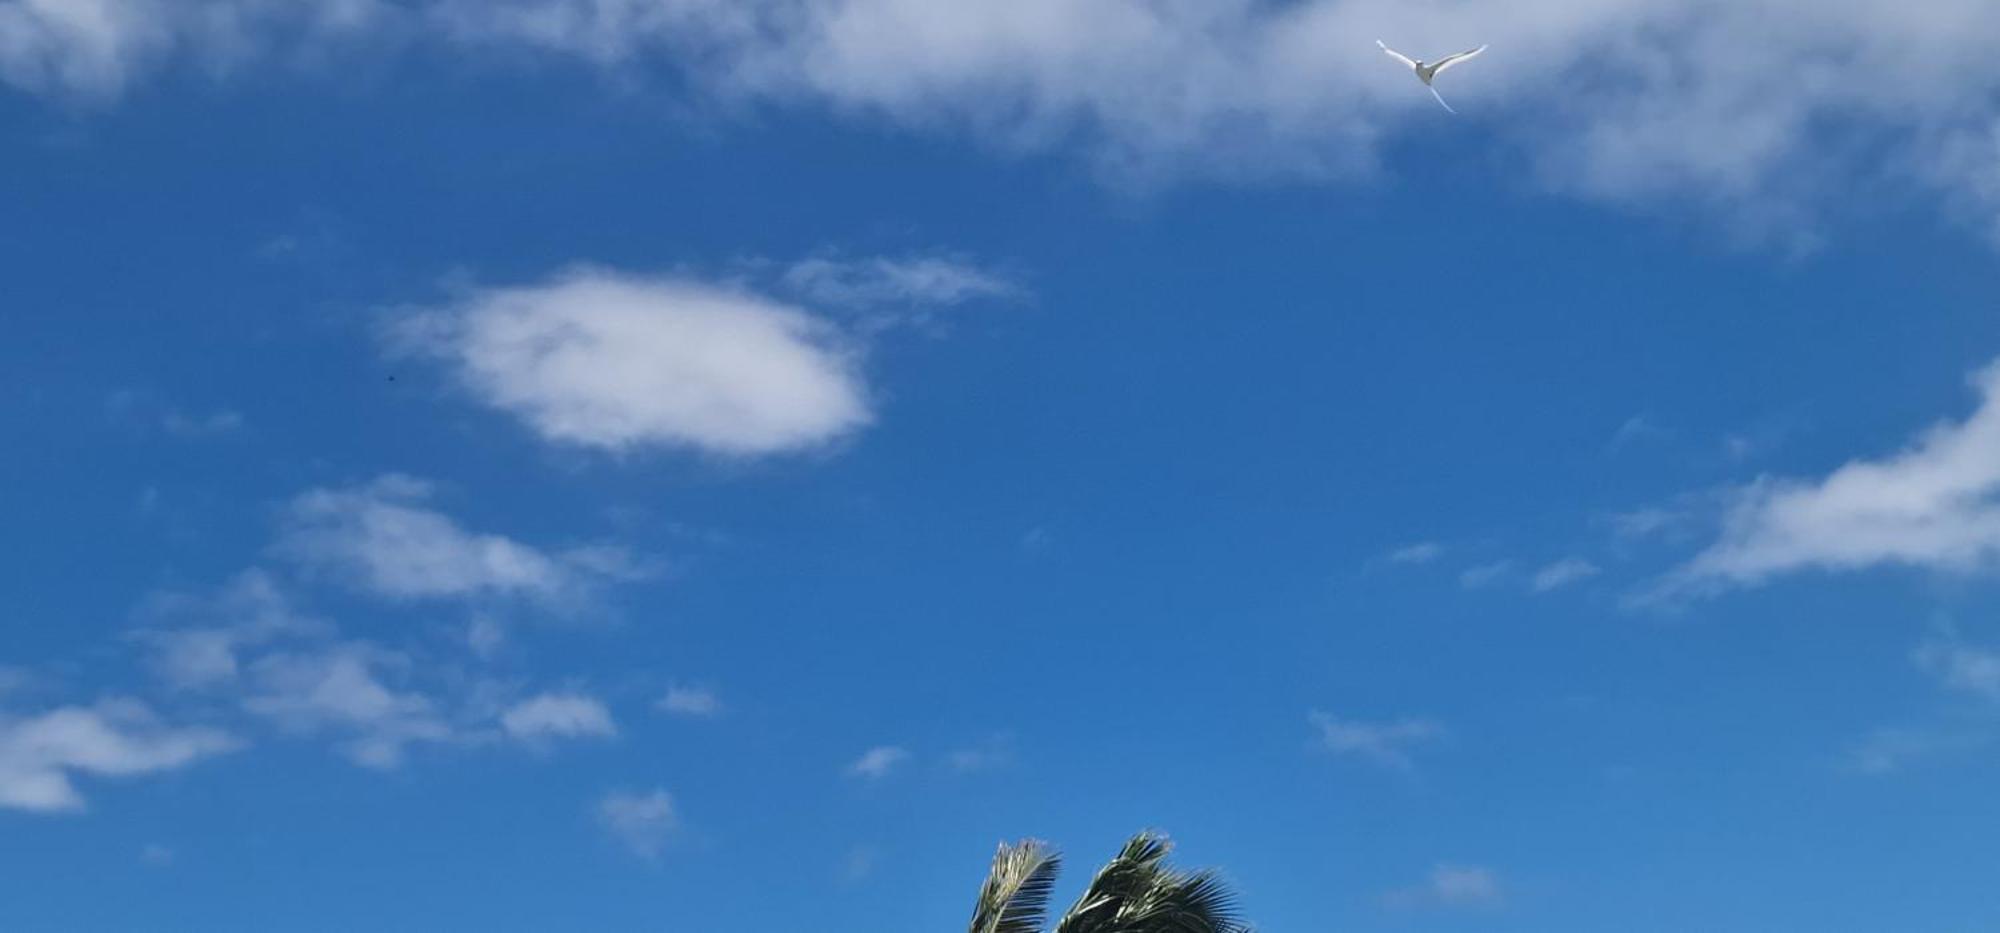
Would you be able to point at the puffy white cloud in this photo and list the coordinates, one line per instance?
(1935, 505)
(558, 716)
(1451, 886)
(643, 821)
(1383, 743)
(41, 755)
(877, 763)
(382, 537)
(699, 702)
(618, 362)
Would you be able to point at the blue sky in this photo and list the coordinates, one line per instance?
(695, 466)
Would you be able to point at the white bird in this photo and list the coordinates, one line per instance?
(1428, 72)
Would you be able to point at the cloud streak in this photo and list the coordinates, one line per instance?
(42, 755)
(1744, 105)
(1387, 744)
(1933, 506)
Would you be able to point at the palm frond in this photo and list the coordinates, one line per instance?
(1137, 893)
(1015, 898)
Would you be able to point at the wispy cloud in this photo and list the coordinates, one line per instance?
(995, 751)
(196, 641)
(693, 702)
(42, 755)
(1891, 750)
(1935, 505)
(878, 762)
(1959, 666)
(143, 410)
(347, 690)
(1485, 575)
(1459, 886)
(1678, 108)
(1383, 743)
(909, 281)
(384, 538)
(558, 716)
(643, 821)
(1562, 573)
(1422, 552)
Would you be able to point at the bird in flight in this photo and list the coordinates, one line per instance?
(1428, 71)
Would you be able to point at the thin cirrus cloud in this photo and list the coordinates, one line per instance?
(383, 538)
(1451, 886)
(614, 362)
(42, 756)
(927, 281)
(1933, 506)
(1619, 100)
(1959, 666)
(1423, 552)
(1562, 573)
(1388, 744)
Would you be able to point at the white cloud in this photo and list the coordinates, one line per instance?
(858, 864)
(995, 751)
(40, 756)
(697, 702)
(1935, 505)
(145, 410)
(617, 362)
(1422, 552)
(1451, 886)
(78, 46)
(917, 280)
(1890, 750)
(1623, 100)
(1485, 575)
(558, 716)
(1563, 573)
(382, 537)
(1383, 743)
(643, 822)
(342, 689)
(876, 763)
(1959, 666)
(250, 611)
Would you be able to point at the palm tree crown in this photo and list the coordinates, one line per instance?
(1135, 892)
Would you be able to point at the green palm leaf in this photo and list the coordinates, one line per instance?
(1015, 898)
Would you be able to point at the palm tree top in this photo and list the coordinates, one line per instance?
(1135, 892)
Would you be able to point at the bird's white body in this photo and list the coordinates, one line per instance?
(1427, 72)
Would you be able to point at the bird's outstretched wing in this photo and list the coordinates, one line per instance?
(1405, 59)
(1440, 97)
(1456, 57)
